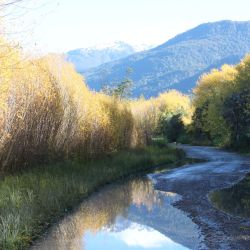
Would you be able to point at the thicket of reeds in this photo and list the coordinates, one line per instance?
(48, 113)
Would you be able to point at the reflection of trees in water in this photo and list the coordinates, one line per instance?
(100, 210)
(143, 194)
(167, 219)
(135, 200)
(234, 200)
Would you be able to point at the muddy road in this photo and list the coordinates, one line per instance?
(194, 183)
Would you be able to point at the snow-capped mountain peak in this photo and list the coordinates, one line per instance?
(86, 58)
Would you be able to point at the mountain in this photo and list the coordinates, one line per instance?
(178, 63)
(87, 58)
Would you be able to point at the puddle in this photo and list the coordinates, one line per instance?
(129, 215)
(234, 200)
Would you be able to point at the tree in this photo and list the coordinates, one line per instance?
(236, 112)
(209, 96)
(174, 127)
(222, 105)
(198, 124)
(121, 90)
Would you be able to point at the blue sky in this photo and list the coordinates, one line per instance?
(61, 25)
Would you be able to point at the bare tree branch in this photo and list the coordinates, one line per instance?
(10, 3)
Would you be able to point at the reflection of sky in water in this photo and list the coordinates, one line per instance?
(130, 215)
(136, 237)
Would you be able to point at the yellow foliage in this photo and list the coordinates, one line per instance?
(209, 95)
(148, 113)
(216, 83)
(47, 112)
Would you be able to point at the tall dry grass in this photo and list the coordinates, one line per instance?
(48, 113)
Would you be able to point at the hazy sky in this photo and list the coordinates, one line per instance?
(61, 25)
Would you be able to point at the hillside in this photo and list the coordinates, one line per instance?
(179, 62)
(86, 58)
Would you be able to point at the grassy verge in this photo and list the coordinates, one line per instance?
(31, 201)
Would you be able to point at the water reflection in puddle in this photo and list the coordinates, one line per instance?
(234, 200)
(130, 215)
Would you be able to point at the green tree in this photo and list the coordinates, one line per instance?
(121, 90)
(236, 112)
(174, 127)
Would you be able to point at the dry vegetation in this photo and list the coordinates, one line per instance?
(48, 113)
(49, 118)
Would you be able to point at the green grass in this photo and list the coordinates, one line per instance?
(31, 201)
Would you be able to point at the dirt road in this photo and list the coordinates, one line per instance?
(194, 183)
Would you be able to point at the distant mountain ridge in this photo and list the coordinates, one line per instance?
(180, 61)
(86, 58)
